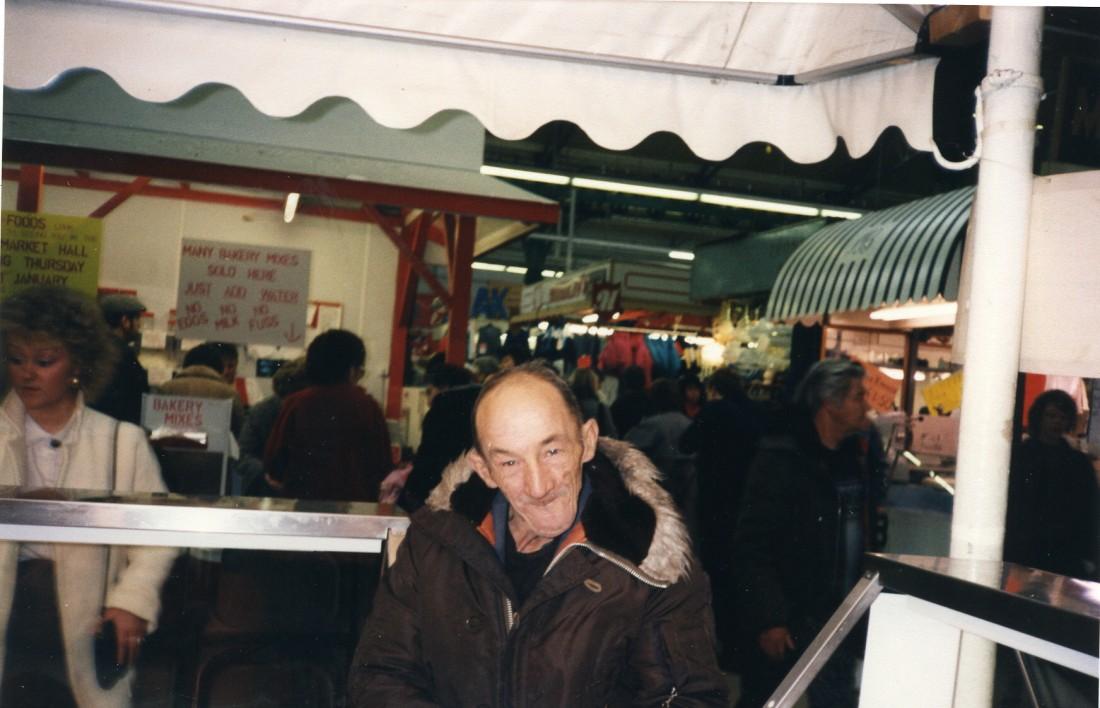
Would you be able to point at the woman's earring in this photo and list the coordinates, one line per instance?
(74, 382)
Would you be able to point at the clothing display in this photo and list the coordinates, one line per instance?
(621, 616)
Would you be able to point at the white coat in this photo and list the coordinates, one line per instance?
(135, 574)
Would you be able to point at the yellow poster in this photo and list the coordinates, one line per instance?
(944, 396)
(46, 249)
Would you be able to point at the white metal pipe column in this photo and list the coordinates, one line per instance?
(1002, 209)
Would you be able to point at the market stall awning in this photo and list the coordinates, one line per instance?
(746, 267)
(718, 74)
(911, 252)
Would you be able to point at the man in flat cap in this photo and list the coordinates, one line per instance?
(121, 398)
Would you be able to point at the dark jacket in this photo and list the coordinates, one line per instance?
(1051, 522)
(330, 442)
(446, 433)
(621, 617)
(787, 549)
(121, 398)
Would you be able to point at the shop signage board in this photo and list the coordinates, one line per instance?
(944, 396)
(881, 389)
(242, 293)
(47, 249)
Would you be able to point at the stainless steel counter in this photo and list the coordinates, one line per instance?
(75, 516)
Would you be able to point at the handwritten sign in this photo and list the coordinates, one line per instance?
(946, 395)
(881, 389)
(45, 249)
(241, 293)
(189, 414)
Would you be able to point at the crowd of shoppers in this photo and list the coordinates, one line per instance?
(739, 531)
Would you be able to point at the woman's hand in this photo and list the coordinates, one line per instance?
(273, 483)
(130, 630)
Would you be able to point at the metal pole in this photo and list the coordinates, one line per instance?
(572, 226)
(1002, 210)
(825, 644)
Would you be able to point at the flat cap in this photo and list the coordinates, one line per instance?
(118, 305)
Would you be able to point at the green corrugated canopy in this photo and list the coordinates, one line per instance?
(911, 252)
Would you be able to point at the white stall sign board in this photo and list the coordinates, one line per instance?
(242, 293)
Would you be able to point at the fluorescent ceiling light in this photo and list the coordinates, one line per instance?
(930, 310)
(528, 175)
(640, 189)
(480, 265)
(681, 255)
(840, 214)
(518, 270)
(759, 204)
(591, 318)
(552, 274)
(290, 207)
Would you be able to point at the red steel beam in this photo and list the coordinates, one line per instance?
(120, 197)
(367, 192)
(416, 262)
(186, 193)
(461, 279)
(403, 312)
(29, 197)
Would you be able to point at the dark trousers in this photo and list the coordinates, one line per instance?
(34, 659)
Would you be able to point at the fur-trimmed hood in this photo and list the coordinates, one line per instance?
(629, 514)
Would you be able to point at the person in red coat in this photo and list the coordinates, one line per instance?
(330, 440)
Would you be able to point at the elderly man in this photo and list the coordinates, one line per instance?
(546, 569)
(803, 527)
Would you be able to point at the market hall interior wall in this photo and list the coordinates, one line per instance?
(352, 263)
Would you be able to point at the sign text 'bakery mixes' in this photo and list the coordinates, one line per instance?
(242, 293)
(46, 249)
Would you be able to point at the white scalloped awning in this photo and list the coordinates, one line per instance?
(619, 69)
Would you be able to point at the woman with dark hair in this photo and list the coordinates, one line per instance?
(330, 440)
(1051, 522)
(586, 387)
(54, 597)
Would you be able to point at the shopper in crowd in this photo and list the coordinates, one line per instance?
(230, 360)
(121, 397)
(289, 379)
(723, 437)
(547, 568)
(586, 387)
(1052, 523)
(202, 377)
(445, 432)
(691, 390)
(330, 440)
(803, 528)
(58, 351)
(632, 404)
(485, 366)
(658, 436)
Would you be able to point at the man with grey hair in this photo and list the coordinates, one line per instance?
(547, 568)
(804, 519)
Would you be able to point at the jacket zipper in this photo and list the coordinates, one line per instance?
(610, 558)
(509, 615)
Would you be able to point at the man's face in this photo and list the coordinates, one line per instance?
(130, 327)
(851, 412)
(532, 449)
